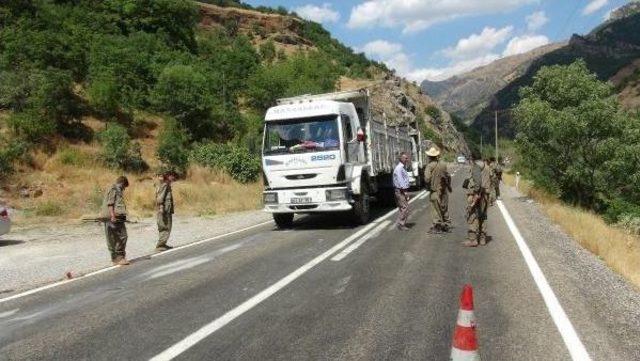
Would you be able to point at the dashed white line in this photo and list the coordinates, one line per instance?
(571, 340)
(345, 252)
(208, 329)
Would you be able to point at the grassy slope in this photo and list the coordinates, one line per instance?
(617, 248)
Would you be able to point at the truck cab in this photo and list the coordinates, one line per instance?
(309, 149)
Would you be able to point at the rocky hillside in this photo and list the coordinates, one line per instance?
(610, 51)
(468, 94)
(406, 102)
(398, 98)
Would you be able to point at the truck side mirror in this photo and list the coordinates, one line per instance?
(361, 136)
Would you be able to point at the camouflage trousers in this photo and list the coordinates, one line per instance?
(116, 239)
(165, 222)
(440, 209)
(403, 207)
(477, 218)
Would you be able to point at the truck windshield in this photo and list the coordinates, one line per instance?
(302, 135)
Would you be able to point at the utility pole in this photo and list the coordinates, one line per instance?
(496, 124)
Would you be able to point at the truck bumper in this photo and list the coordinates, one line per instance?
(307, 201)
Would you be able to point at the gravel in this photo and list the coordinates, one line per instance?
(40, 255)
(592, 295)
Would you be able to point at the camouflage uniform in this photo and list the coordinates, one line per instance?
(438, 183)
(164, 203)
(494, 181)
(497, 169)
(478, 188)
(116, 232)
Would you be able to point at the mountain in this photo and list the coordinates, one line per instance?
(611, 51)
(466, 95)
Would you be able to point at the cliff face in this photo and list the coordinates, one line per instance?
(396, 97)
(282, 29)
(405, 103)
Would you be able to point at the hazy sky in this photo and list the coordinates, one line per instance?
(435, 39)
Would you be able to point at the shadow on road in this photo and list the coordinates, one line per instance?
(328, 221)
(9, 242)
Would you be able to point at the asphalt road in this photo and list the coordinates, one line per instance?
(310, 294)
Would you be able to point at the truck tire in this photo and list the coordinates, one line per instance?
(283, 220)
(361, 212)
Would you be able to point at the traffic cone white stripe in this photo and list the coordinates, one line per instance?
(462, 355)
(466, 319)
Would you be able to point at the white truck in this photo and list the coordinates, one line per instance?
(326, 153)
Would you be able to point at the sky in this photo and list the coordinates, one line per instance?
(436, 39)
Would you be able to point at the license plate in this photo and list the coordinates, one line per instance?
(301, 200)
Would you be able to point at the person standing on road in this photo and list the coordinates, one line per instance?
(438, 182)
(165, 209)
(477, 185)
(114, 211)
(490, 163)
(401, 187)
(497, 169)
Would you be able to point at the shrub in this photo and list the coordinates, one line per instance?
(73, 157)
(268, 51)
(31, 126)
(238, 162)
(618, 209)
(9, 154)
(49, 209)
(118, 151)
(173, 148)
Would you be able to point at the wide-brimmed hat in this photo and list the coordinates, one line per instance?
(433, 152)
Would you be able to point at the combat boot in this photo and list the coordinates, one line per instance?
(470, 243)
(123, 262)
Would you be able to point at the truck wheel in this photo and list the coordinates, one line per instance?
(283, 220)
(362, 206)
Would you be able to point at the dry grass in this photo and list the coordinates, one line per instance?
(618, 249)
(73, 184)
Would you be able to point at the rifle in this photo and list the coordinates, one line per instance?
(106, 220)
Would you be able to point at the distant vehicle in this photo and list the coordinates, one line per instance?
(327, 153)
(462, 159)
(5, 222)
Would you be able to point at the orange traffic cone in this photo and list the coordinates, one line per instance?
(465, 343)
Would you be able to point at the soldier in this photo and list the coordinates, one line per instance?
(477, 185)
(164, 205)
(497, 169)
(490, 163)
(114, 212)
(438, 182)
(401, 187)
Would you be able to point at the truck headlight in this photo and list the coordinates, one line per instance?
(336, 194)
(268, 198)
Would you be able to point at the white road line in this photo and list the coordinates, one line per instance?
(95, 273)
(247, 305)
(568, 333)
(423, 196)
(345, 252)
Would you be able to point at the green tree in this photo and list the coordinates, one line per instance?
(173, 19)
(184, 92)
(570, 135)
(173, 147)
